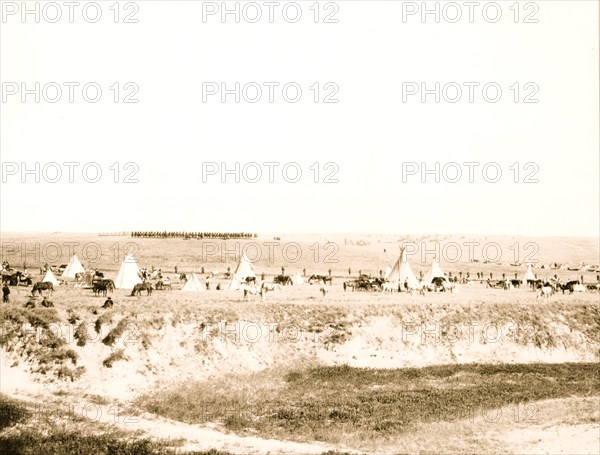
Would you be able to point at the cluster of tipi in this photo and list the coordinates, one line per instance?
(127, 277)
(129, 274)
(402, 272)
(73, 268)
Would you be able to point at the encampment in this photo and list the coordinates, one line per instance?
(402, 272)
(49, 277)
(128, 275)
(529, 275)
(435, 271)
(73, 267)
(297, 280)
(193, 284)
(243, 270)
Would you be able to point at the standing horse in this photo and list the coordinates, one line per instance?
(545, 291)
(138, 288)
(253, 290)
(42, 286)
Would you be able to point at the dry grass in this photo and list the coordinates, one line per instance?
(338, 404)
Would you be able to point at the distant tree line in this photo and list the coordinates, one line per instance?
(193, 235)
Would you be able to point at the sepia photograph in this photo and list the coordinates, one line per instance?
(349, 227)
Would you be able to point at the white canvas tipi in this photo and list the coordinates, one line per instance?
(387, 273)
(434, 271)
(128, 275)
(528, 275)
(73, 267)
(244, 270)
(297, 280)
(402, 272)
(49, 277)
(193, 284)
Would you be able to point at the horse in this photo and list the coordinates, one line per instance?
(515, 283)
(100, 288)
(20, 279)
(253, 290)
(138, 288)
(415, 287)
(447, 286)
(349, 284)
(388, 287)
(42, 286)
(250, 279)
(568, 286)
(270, 286)
(545, 291)
(161, 285)
(319, 279)
(284, 280)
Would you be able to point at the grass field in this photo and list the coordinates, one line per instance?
(478, 370)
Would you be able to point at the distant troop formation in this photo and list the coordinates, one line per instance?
(193, 235)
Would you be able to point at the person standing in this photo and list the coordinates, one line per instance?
(5, 293)
(207, 283)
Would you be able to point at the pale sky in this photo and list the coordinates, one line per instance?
(368, 134)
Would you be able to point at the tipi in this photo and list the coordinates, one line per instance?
(73, 268)
(402, 271)
(244, 270)
(387, 272)
(49, 277)
(528, 275)
(128, 275)
(297, 280)
(193, 284)
(434, 271)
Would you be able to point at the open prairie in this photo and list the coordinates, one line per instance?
(478, 369)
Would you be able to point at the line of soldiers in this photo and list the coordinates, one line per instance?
(200, 235)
